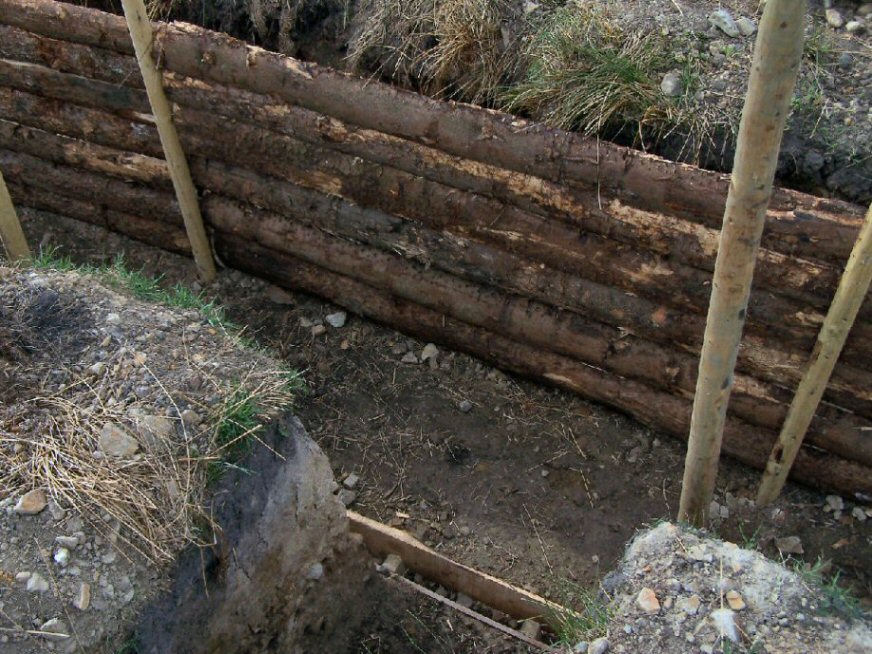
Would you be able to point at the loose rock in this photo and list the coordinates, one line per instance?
(746, 26)
(55, 629)
(116, 442)
(409, 357)
(337, 319)
(318, 330)
(723, 20)
(647, 601)
(834, 503)
(599, 646)
(671, 85)
(351, 481)
(31, 503)
(430, 351)
(735, 600)
(835, 18)
(855, 27)
(465, 406)
(83, 598)
(37, 583)
(789, 545)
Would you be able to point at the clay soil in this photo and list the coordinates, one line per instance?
(531, 484)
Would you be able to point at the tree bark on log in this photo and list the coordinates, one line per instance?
(760, 358)
(602, 260)
(651, 183)
(681, 239)
(754, 401)
(658, 410)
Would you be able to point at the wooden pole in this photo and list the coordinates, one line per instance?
(777, 54)
(846, 303)
(10, 228)
(141, 34)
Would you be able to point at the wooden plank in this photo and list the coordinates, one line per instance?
(382, 540)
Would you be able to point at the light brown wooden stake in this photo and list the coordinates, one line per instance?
(10, 229)
(777, 54)
(846, 303)
(141, 34)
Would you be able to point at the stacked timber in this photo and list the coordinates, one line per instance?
(580, 263)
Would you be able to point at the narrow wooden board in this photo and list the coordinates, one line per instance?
(382, 540)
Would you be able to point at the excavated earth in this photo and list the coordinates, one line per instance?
(531, 484)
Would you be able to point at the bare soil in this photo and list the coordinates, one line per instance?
(531, 484)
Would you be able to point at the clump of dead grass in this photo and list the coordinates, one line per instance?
(583, 72)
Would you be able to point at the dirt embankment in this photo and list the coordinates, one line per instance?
(665, 76)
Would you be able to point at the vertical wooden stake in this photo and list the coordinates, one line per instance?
(143, 40)
(777, 54)
(10, 229)
(840, 318)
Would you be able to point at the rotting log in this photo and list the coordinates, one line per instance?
(288, 199)
(463, 130)
(657, 410)
(601, 260)
(811, 283)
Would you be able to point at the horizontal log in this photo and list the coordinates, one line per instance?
(811, 283)
(668, 370)
(603, 261)
(482, 135)
(157, 235)
(658, 410)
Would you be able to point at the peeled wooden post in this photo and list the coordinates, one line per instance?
(141, 34)
(777, 55)
(10, 228)
(840, 318)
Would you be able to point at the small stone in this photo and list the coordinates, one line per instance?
(858, 513)
(430, 351)
(723, 20)
(278, 295)
(789, 545)
(671, 85)
(347, 497)
(37, 583)
(699, 553)
(544, 473)
(580, 647)
(835, 18)
(855, 27)
(337, 319)
(689, 605)
(305, 323)
(746, 25)
(97, 369)
(531, 628)
(109, 557)
(191, 418)
(735, 600)
(465, 406)
(834, 503)
(316, 572)
(23, 576)
(62, 556)
(599, 646)
(318, 330)
(865, 9)
(56, 511)
(725, 622)
(31, 503)
(647, 601)
(54, 629)
(393, 565)
(409, 357)
(83, 598)
(116, 442)
(351, 481)
(464, 600)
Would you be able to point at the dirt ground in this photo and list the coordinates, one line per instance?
(529, 483)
